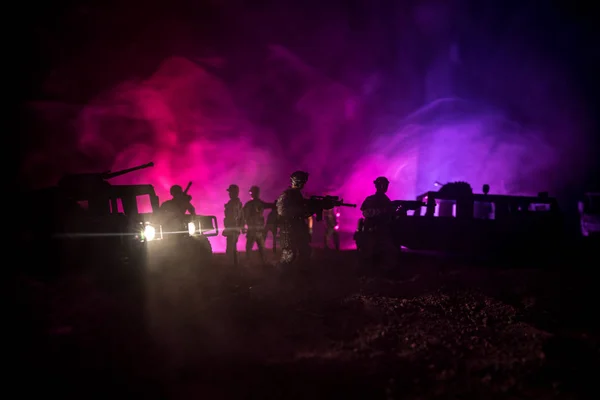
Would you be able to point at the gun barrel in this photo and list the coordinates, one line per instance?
(109, 175)
(347, 205)
(187, 188)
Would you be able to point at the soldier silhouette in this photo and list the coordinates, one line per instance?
(175, 208)
(233, 222)
(378, 211)
(255, 221)
(292, 215)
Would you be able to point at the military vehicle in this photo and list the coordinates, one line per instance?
(88, 219)
(454, 220)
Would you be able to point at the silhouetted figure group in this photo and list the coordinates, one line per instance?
(291, 214)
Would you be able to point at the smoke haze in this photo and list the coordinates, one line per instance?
(435, 92)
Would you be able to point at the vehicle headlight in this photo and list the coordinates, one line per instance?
(191, 228)
(149, 232)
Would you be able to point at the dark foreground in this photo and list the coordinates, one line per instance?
(433, 329)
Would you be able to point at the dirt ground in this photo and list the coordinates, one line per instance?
(429, 329)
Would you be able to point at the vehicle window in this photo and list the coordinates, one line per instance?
(119, 209)
(539, 207)
(144, 205)
(445, 208)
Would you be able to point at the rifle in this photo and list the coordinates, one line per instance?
(187, 188)
(316, 204)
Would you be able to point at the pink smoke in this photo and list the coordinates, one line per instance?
(197, 128)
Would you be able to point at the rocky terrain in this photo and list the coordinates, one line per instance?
(429, 329)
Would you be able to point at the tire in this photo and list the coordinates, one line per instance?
(204, 252)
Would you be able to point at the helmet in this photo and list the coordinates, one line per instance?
(299, 178)
(254, 190)
(381, 180)
(176, 190)
(381, 184)
(233, 188)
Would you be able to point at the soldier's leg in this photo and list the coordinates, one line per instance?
(336, 240)
(232, 247)
(326, 238)
(274, 233)
(260, 243)
(287, 250)
(390, 252)
(250, 239)
(229, 247)
(367, 250)
(235, 239)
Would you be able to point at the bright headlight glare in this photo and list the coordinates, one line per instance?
(191, 228)
(149, 232)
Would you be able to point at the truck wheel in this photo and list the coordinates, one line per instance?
(204, 252)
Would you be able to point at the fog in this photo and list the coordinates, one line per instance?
(430, 92)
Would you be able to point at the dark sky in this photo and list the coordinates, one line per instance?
(71, 50)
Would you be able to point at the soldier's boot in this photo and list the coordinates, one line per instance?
(235, 258)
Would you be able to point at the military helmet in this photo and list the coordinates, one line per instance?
(381, 180)
(299, 178)
(233, 188)
(254, 189)
(176, 190)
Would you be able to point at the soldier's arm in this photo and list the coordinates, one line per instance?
(242, 216)
(281, 205)
(191, 209)
(245, 211)
(270, 206)
(366, 209)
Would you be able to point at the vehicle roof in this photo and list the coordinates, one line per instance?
(132, 189)
(110, 191)
(489, 197)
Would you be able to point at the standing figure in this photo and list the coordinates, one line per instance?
(292, 214)
(330, 220)
(378, 212)
(234, 221)
(173, 210)
(255, 220)
(272, 226)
